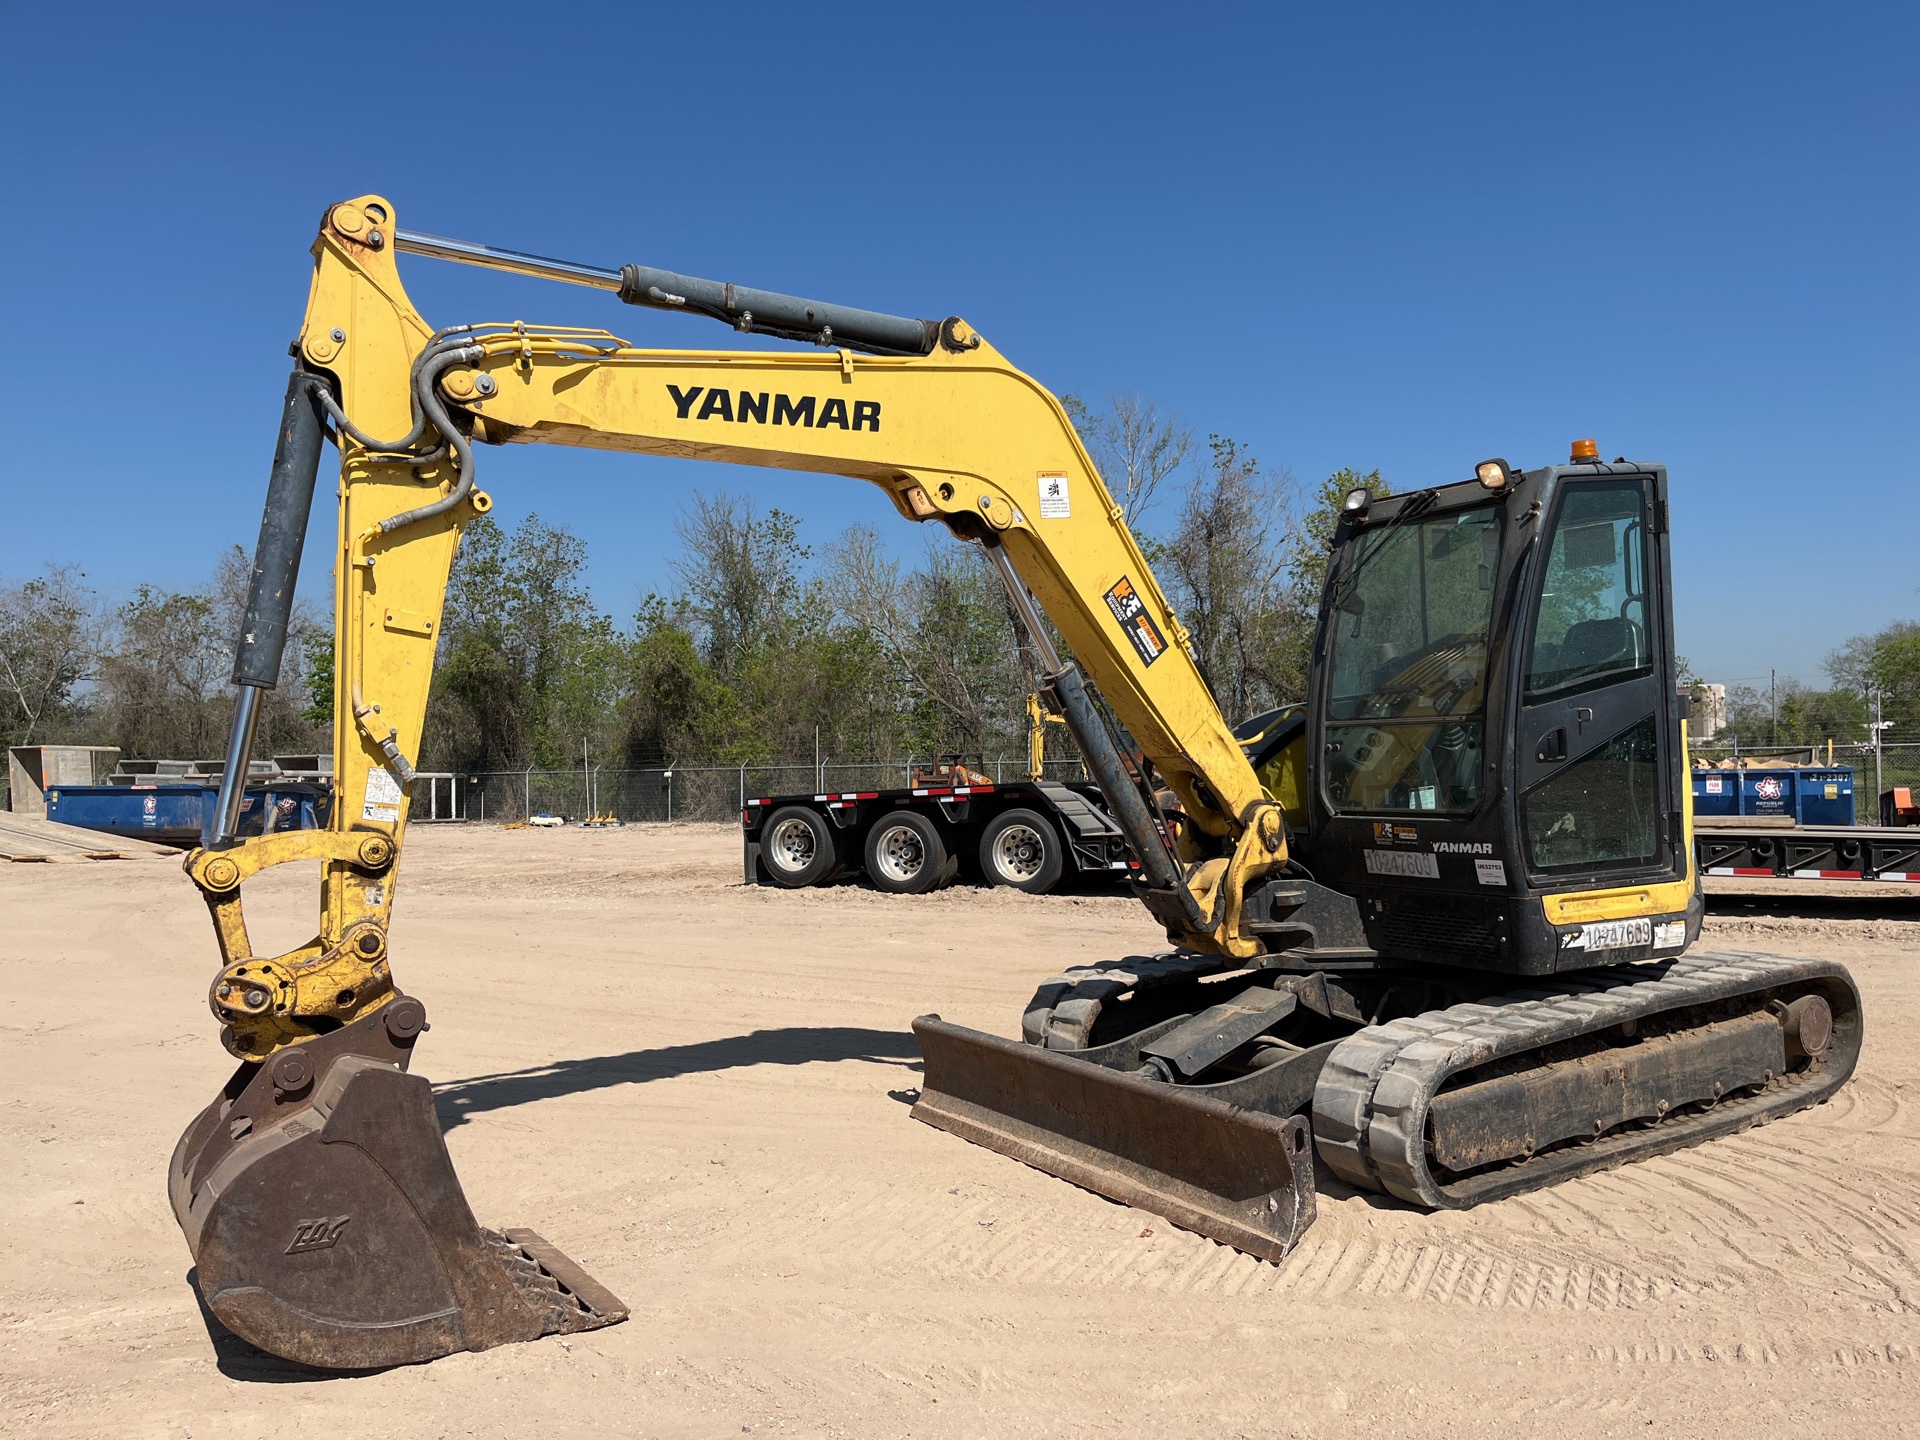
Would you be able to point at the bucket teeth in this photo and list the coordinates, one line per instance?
(328, 1227)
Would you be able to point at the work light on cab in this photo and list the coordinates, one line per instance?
(1494, 474)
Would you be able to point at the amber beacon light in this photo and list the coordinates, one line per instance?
(1585, 452)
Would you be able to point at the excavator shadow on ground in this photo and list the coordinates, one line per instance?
(458, 1100)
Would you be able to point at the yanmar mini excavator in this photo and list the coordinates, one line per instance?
(1431, 924)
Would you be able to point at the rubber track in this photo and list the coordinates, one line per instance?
(1063, 1010)
(1370, 1107)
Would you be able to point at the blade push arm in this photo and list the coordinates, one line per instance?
(952, 433)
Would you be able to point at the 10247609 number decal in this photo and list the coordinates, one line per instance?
(1609, 935)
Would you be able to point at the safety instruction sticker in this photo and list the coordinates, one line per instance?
(1408, 864)
(1491, 872)
(1131, 612)
(383, 797)
(1609, 935)
(1056, 503)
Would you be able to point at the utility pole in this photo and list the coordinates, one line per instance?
(1773, 707)
(1879, 727)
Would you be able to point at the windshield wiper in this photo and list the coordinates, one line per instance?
(1415, 506)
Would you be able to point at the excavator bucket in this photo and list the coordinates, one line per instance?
(1239, 1176)
(327, 1225)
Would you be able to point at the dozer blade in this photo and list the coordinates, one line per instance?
(1242, 1177)
(328, 1226)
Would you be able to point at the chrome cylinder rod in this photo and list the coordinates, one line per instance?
(514, 262)
(1023, 605)
(233, 778)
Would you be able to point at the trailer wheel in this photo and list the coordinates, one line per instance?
(1021, 849)
(906, 856)
(797, 848)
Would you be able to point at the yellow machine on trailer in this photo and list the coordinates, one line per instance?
(1487, 781)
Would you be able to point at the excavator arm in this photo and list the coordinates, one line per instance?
(928, 412)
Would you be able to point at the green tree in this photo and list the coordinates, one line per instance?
(943, 655)
(49, 639)
(742, 576)
(528, 668)
(319, 681)
(1311, 541)
(1224, 568)
(675, 707)
(1886, 663)
(1135, 448)
(165, 679)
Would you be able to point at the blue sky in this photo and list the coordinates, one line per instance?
(1372, 235)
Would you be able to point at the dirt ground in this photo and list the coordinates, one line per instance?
(699, 1091)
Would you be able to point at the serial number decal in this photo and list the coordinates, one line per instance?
(1490, 872)
(1669, 934)
(1408, 864)
(763, 407)
(1131, 612)
(1609, 935)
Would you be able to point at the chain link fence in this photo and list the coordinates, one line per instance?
(684, 792)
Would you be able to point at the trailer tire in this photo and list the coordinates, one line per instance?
(906, 854)
(1021, 849)
(797, 848)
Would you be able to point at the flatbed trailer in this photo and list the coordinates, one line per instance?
(1028, 835)
(1766, 848)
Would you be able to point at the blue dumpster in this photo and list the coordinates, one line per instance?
(175, 814)
(1806, 795)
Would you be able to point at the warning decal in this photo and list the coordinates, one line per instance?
(382, 797)
(1127, 608)
(1056, 503)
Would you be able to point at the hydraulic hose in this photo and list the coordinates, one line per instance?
(439, 344)
(435, 413)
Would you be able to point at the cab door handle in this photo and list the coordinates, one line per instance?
(1553, 747)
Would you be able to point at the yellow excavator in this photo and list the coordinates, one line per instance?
(1431, 924)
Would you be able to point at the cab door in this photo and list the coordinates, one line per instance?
(1598, 734)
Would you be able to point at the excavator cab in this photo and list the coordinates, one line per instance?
(1488, 780)
(1492, 729)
